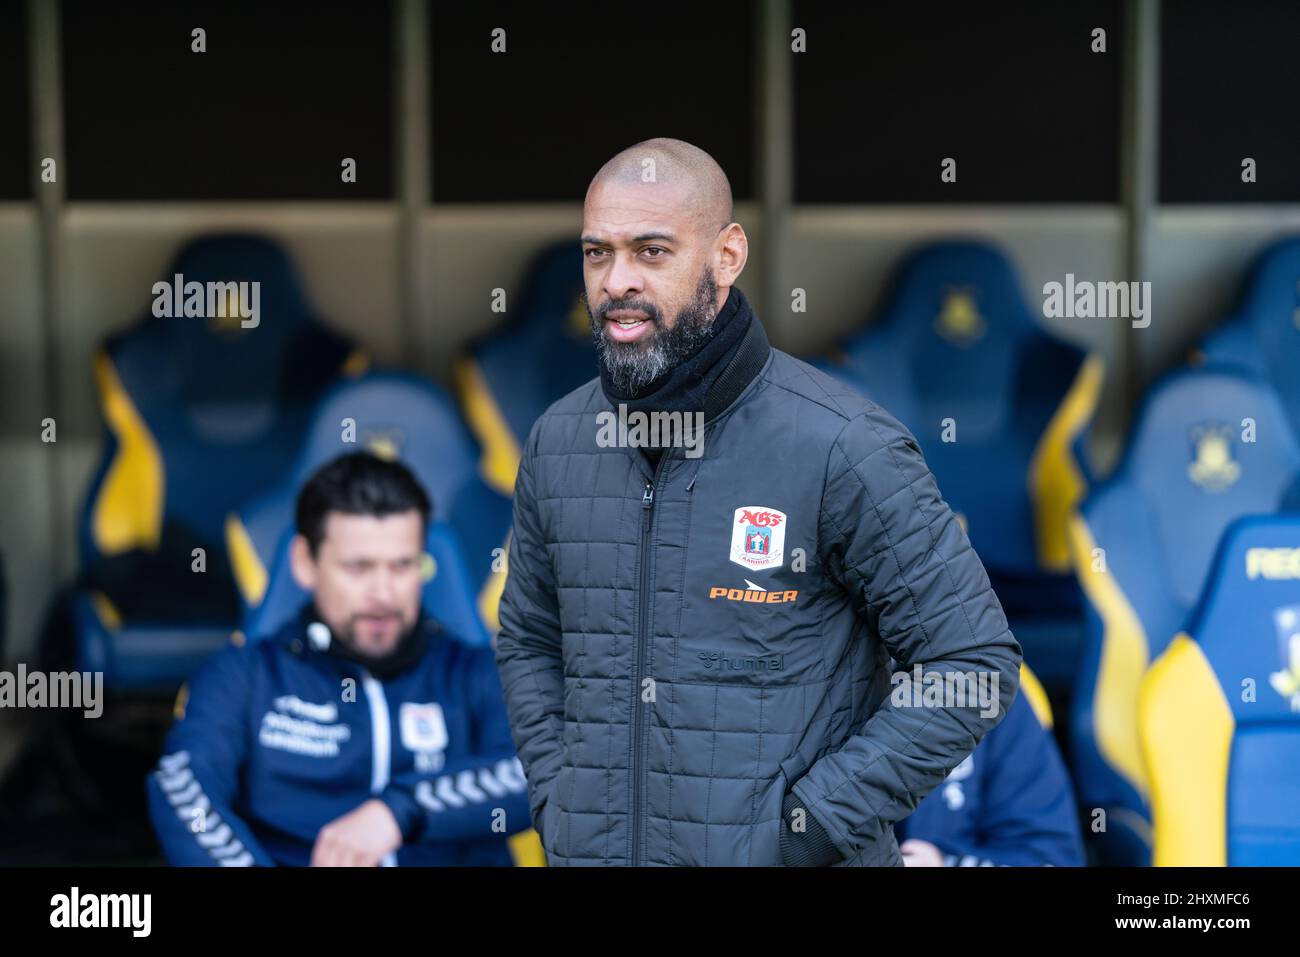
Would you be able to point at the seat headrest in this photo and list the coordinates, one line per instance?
(1263, 334)
(552, 287)
(1248, 620)
(1271, 296)
(245, 257)
(542, 351)
(1209, 446)
(393, 414)
(964, 290)
(953, 336)
(212, 358)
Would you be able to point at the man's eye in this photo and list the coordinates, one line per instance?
(593, 253)
(655, 249)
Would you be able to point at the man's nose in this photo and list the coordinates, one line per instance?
(382, 588)
(623, 278)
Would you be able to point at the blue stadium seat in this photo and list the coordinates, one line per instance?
(1220, 710)
(1142, 547)
(957, 341)
(543, 351)
(398, 416)
(199, 414)
(1263, 333)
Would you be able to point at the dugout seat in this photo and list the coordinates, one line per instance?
(1262, 335)
(957, 349)
(400, 416)
(541, 352)
(1219, 711)
(1209, 446)
(199, 414)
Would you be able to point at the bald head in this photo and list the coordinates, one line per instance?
(660, 252)
(682, 174)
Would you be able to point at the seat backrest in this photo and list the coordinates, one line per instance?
(202, 413)
(997, 403)
(1263, 332)
(543, 351)
(1220, 710)
(394, 415)
(1209, 446)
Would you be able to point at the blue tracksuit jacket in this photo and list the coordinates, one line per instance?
(1009, 802)
(278, 739)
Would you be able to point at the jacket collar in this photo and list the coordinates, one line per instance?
(739, 372)
(313, 637)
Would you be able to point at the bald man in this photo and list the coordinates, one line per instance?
(716, 551)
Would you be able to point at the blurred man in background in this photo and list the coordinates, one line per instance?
(361, 733)
(1009, 802)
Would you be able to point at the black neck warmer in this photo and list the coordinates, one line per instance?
(692, 385)
(409, 650)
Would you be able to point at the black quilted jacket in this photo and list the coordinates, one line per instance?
(682, 646)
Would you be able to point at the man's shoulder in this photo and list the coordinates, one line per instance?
(260, 652)
(233, 667)
(834, 406)
(268, 643)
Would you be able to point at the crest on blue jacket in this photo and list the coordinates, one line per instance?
(423, 727)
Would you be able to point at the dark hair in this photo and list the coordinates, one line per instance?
(358, 483)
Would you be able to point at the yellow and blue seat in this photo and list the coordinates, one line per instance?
(1262, 334)
(1208, 446)
(543, 351)
(405, 417)
(1001, 409)
(1219, 711)
(200, 413)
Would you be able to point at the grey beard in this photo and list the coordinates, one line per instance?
(634, 365)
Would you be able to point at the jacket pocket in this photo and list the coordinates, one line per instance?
(553, 813)
(766, 849)
(549, 826)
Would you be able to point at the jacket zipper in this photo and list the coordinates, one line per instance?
(642, 636)
(381, 746)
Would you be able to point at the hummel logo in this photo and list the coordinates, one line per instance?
(728, 663)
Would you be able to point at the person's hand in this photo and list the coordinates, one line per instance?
(921, 854)
(360, 838)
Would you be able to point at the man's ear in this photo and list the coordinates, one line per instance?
(302, 564)
(733, 253)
